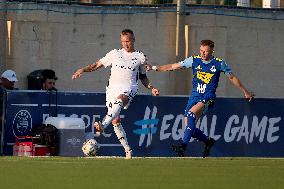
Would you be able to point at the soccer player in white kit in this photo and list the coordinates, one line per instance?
(127, 65)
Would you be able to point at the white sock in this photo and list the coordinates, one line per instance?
(121, 135)
(112, 112)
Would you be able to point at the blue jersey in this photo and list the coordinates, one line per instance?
(205, 74)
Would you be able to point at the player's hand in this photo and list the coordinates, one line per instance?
(148, 67)
(249, 95)
(155, 91)
(77, 74)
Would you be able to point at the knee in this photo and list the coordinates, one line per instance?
(124, 99)
(116, 121)
(190, 115)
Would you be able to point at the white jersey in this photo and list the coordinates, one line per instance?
(125, 67)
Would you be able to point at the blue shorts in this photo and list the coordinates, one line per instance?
(208, 101)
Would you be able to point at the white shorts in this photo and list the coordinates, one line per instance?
(113, 92)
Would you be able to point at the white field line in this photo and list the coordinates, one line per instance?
(59, 160)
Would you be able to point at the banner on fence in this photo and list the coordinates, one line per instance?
(153, 124)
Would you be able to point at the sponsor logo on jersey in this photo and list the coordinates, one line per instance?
(213, 69)
(204, 76)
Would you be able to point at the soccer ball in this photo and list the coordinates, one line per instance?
(90, 147)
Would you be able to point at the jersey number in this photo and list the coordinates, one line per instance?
(201, 88)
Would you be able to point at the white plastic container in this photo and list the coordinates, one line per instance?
(66, 122)
(71, 134)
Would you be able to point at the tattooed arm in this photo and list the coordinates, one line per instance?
(88, 68)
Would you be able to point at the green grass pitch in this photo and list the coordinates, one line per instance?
(146, 173)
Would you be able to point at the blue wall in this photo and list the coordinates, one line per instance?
(153, 124)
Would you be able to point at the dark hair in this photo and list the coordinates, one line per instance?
(48, 74)
(207, 42)
(127, 31)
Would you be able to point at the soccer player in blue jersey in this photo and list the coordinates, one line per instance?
(206, 72)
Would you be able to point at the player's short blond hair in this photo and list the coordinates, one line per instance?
(128, 32)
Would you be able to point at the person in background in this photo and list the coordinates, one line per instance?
(8, 79)
(48, 80)
(7, 82)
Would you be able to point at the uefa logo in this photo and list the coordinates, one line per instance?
(22, 123)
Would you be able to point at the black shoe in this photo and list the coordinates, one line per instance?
(208, 146)
(179, 150)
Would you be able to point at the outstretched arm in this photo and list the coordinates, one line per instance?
(145, 81)
(88, 68)
(163, 68)
(235, 81)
